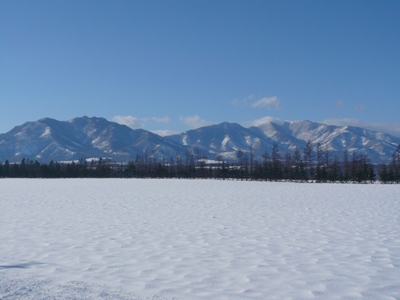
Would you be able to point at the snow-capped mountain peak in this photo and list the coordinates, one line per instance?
(49, 139)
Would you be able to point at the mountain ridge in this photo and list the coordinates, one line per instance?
(90, 137)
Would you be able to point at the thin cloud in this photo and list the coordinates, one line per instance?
(390, 128)
(164, 132)
(134, 122)
(269, 102)
(195, 121)
(265, 120)
(164, 120)
(242, 102)
(359, 107)
(129, 121)
(340, 104)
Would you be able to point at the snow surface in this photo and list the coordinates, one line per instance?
(197, 239)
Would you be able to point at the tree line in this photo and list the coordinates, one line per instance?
(311, 164)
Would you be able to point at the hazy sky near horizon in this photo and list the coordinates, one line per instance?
(176, 65)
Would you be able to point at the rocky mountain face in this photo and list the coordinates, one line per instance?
(48, 139)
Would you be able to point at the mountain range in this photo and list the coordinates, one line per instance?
(48, 139)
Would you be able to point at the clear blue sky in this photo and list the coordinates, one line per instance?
(176, 65)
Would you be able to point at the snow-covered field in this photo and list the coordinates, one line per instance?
(198, 239)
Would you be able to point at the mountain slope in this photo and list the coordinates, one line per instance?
(378, 146)
(224, 140)
(48, 139)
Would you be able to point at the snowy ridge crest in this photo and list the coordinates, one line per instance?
(48, 139)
